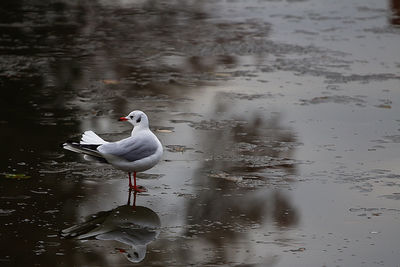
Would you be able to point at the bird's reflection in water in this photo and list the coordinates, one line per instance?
(135, 226)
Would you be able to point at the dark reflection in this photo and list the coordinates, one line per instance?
(131, 225)
(395, 16)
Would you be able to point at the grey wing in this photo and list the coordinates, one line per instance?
(132, 148)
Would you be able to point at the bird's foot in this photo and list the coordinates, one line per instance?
(139, 188)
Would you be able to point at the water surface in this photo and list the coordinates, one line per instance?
(279, 121)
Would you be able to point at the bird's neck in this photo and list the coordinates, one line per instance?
(139, 128)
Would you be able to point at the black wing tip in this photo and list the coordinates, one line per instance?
(89, 146)
(80, 146)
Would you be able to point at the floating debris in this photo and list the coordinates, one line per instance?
(223, 74)
(384, 106)
(298, 250)
(164, 131)
(111, 82)
(177, 148)
(16, 176)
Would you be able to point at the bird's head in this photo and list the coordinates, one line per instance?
(136, 118)
(135, 253)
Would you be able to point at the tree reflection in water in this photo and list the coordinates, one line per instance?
(258, 151)
(248, 156)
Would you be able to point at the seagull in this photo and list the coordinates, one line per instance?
(139, 152)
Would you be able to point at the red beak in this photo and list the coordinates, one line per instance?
(122, 119)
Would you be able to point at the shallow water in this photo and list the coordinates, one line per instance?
(279, 121)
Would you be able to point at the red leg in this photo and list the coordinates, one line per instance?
(134, 186)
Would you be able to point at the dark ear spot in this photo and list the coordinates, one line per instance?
(139, 119)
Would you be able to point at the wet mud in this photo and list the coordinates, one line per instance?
(279, 120)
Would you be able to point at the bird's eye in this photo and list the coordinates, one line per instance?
(129, 256)
(131, 117)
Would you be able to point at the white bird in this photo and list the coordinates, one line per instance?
(139, 152)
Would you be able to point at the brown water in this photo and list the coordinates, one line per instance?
(279, 119)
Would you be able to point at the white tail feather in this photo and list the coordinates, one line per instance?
(90, 138)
